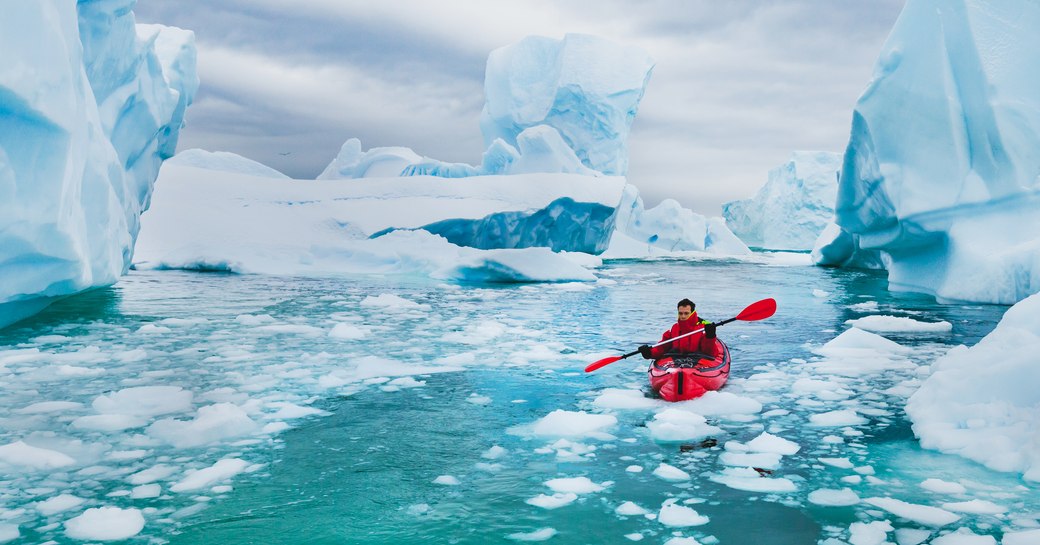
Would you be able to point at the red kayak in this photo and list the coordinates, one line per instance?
(686, 376)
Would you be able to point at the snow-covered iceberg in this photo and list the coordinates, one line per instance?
(983, 402)
(667, 229)
(91, 105)
(486, 228)
(794, 206)
(224, 161)
(941, 170)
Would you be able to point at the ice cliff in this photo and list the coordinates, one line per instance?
(794, 206)
(942, 168)
(91, 105)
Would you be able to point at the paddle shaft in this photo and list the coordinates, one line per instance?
(677, 338)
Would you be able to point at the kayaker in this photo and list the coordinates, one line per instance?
(703, 342)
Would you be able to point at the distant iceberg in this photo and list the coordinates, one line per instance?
(794, 206)
(942, 171)
(92, 104)
(223, 161)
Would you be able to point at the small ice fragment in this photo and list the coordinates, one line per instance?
(220, 471)
(57, 504)
(834, 498)
(447, 480)
(634, 469)
(105, 524)
(537, 535)
(574, 485)
(494, 453)
(671, 473)
(680, 516)
(940, 486)
(552, 502)
(629, 509)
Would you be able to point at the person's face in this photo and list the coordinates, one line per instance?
(685, 313)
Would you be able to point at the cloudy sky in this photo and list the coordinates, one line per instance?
(737, 85)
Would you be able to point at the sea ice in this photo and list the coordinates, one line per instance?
(670, 473)
(561, 423)
(537, 535)
(555, 501)
(630, 509)
(211, 423)
(447, 480)
(869, 533)
(573, 485)
(964, 536)
(896, 324)
(830, 497)
(26, 456)
(59, 503)
(221, 471)
(921, 514)
(767, 442)
(680, 516)
(943, 487)
(105, 524)
(679, 425)
(842, 417)
(750, 480)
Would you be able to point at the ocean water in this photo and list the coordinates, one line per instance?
(376, 410)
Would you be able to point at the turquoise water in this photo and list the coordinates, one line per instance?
(363, 470)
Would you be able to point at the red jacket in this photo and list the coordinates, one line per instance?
(693, 343)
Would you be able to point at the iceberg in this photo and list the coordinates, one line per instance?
(90, 110)
(941, 171)
(223, 161)
(585, 87)
(982, 402)
(667, 229)
(383, 162)
(403, 225)
(794, 206)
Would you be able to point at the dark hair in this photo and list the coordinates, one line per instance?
(686, 303)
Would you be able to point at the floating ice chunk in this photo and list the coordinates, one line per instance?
(835, 498)
(679, 425)
(289, 411)
(721, 404)
(975, 507)
(9, 532)
(843, 417)
(57, 504)
(841, 463)
(749, 480)
(820, 293)
(764, 460)
(679, 516)
(866, 306)
(635, 537)
(476, 334)
(552, 502)
(254, 319)
(893, 324)
(616, 398)
(212, 423)
(629, 509)
(447, 480)
(634, 469)
(105, 524)
(478, 399)
(856, 342)
(767, 442)
(347, 332)
(681, 541)
(964, 536)
(494, 453)
(29, 457)
(921, 514)
(146, 491)
(153, 329)
(671, 473)
(537, 535)
(389, 301)
(573, 485)
(145, 401)
(911, 536)
(291, 329)
(221, 471)
(152, 474)
(561, 423)
(109, 422)
(44, 407)
(1027, 537)
(872, 533)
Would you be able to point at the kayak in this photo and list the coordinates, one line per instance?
(678, 377)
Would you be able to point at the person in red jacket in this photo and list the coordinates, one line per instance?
(703, 342)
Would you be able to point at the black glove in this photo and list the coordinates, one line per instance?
(709, 330)
(645, 352)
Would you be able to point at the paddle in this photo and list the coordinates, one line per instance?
(759, 310)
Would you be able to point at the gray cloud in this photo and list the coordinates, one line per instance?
(738, 85)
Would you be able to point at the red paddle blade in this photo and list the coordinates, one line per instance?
(601, 363)
(758, 311)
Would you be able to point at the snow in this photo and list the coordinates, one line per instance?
(105, 524)
(223, 161)
(85, 131)
(940, 172)
(921, 514)
(585, 87)
(667, 229)
(981, 402)
(897, 324)
(794, 206)
(680, 516)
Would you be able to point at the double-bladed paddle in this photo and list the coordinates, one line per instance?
(759, 310)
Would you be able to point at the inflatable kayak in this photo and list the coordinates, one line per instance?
(678, 377)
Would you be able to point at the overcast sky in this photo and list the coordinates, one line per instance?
(737, 86)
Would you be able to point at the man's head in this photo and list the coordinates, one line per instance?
(686, 309)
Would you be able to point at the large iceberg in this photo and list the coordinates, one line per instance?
(667, 229)
(941, 170)
(481, 228)
(982, 402)
(224, 161)
(92, 104)
(794, 206)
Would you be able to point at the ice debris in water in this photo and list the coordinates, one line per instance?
(562, 423)
(679, 516)
(573, 485)
(537, 535)
(105, 524)
(679, 425)
(897, 324)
